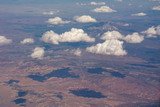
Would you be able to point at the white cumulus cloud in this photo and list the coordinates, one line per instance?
(139, 14)
(51, 37)
(111, 35)
(152, 31)
(134, 38)
(85, 19)
(4, 40)
(77, 52)
(156, 8)
(27, 41)
(109, 47)
(74, 35)
(104, 9)
(57, 21)
(38, 53)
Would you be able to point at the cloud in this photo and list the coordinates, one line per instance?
(139, 14)
(134, 38)
(38, 53)
(57, 21)
(156, 8)
(111, 35)
(97, 3)
(92, 4)
(4, 40)
(104, 9)
(158, 30)
(50, 12)
(85, 19)
(109, 47)
(77, 52)
(75, 35)
(51, 37)
(81, 4)
(152, 31)
(115, 35)
(27, 41)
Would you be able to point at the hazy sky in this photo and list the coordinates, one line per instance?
(38, 6)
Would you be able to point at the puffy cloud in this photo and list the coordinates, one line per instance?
(104, 9)
(4, 40)
(109, 47)
(139, 14)
(134, 38)
(84, 19)
(152, 31)
(97, 3)
(158, 30)
(111, 35)
(27, 41)
(38, 53)
(77, 52)
(113, 44)
(57, 21)
(115, 35)
(75, 35)
(51, 37)
(156, 8)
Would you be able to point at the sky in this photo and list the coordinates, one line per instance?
(68, 4)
